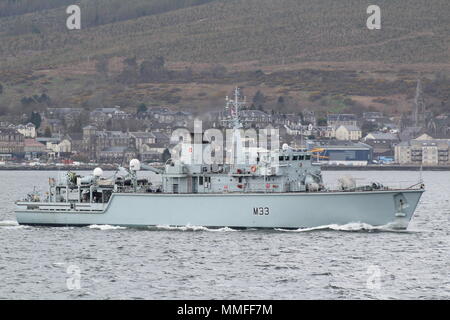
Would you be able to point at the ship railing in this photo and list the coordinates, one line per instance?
(62, 206)
(403, 184)
(397, 185)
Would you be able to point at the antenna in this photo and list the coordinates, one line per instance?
(420, 175)
(234, 117)
(234, 106)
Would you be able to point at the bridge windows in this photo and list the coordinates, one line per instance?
(295, 158)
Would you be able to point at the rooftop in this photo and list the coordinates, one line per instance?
(339, 144)
(116, 149)
(350, 127)
(32, 143)
(8, 131)
(253, 113)
(381, 136)
(341, 117)
(112, 134)
(142, 134)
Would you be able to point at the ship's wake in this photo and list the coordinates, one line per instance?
(350, 227)
(189, 228)
(11, 224)
(8, 223)
(105, 227)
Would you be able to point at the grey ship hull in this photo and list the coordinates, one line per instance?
(238, 210)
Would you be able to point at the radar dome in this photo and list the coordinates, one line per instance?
(285, 146)
(347, 182)
(98, 172)
(135, 165)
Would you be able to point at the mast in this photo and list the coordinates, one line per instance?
(234, 106)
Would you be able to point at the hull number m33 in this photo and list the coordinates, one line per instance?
(261, 211)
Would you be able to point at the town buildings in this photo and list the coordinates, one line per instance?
(348, 133)
(111, 134)
(28, 130)
(12, 143)
(336, 120)
(424, 150)
(337, 152)
(383, 143)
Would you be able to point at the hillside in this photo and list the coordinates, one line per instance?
(216, 43)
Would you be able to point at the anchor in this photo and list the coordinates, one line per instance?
(400, 204)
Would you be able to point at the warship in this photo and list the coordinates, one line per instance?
(280, 188)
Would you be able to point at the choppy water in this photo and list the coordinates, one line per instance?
(354, 261)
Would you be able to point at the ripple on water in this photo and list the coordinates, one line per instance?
(189, 262)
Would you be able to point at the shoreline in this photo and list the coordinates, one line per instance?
(385, 168)
(324, 168)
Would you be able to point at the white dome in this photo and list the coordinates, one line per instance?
(135, 165)
(285, 146)
(98, 172)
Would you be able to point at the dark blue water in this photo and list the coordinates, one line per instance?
(334, 262)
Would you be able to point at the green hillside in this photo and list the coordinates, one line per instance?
(242, 35)
(230, 31)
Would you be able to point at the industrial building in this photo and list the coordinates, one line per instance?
(348, 153)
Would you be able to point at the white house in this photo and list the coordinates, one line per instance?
(64, 145)
(348, 132)
(28, 130)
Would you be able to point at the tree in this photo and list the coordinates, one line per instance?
(368, 127)
(35, 29)
(218, 71)
(131, 62)
(153, 69)
(130, 71)
(258, 100)
(35, 118)
(166, 155)
(43, 98)
(141, 108)
(322, 122)
(281, 103)
(47, 132)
